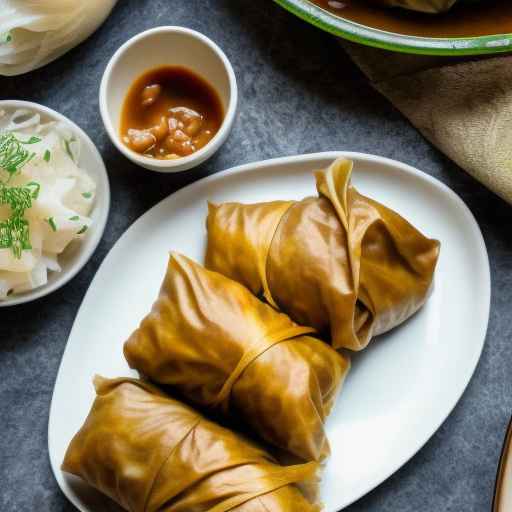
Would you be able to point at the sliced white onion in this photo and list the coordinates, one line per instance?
(51, 261)
(43, 30)
(60, 212)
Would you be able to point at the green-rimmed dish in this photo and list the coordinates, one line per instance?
(468, 44)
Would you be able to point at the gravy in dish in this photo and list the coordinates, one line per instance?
(488, 18)
(170, 112)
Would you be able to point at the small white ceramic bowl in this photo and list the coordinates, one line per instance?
(77, 254)
(167, 46)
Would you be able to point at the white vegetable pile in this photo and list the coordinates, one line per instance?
(59, 214)
(35, 32)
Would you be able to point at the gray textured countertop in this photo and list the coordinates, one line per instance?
(299, 93)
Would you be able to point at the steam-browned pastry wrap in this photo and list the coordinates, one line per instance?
(151, 453)
(219, 345)
(340, 262)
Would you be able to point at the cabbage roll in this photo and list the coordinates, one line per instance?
(220, 346)
(340, 262)
(428, 6)
(431, 6)
(149, 452)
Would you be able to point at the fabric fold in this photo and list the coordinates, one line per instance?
(463, 106)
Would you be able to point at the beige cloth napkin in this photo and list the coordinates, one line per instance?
(462, 106)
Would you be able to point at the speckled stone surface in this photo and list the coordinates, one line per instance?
(299, 93)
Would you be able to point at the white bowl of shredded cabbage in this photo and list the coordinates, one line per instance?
(54, 200)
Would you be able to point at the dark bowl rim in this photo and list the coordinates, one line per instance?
(477, 45)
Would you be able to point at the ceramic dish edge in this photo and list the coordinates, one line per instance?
(362, 157)
(355, 32)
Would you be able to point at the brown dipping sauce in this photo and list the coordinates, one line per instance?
(170, 112)
(487, 18)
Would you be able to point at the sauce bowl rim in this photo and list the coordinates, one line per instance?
(196, 158)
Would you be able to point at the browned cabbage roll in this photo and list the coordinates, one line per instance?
(219, 345)
(430, 6)
(339, 262)
(151, 453)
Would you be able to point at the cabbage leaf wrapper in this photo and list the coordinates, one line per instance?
(220, 346)
(429, 6)
(426, 6)
(340, 262)
(151, 453)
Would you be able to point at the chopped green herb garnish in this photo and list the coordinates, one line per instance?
(75, 217)
(83, 230)
(87, 195)
(47, 155)
(18, 198)
(13, 154)
(14, 231)
(14, 235)
(51, 221)
(67, 146)
(36, 188)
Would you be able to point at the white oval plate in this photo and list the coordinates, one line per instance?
(77, 254)
(400, 389)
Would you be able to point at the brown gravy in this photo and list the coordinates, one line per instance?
(488, 18)
(170, 112)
